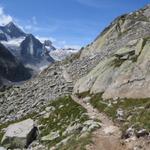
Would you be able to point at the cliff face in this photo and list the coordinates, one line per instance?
(32, 51)
(10, 68)
(123, 68)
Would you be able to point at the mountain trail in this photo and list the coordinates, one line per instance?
(108, 137)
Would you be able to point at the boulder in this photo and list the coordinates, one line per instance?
(2, 148)
(91, 125)
(142, 133)
(130, 132)
(20, 135)
(120, 115)
(50, 137)
(123, 75)
(86, 99)
(72, 129)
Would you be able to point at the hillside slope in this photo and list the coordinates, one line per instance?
(123, 67)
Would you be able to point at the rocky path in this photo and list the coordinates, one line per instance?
(108, 136)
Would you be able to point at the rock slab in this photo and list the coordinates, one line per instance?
(20, 135)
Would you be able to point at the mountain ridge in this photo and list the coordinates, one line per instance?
(17, 41)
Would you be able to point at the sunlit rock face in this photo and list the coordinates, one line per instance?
(123, 69)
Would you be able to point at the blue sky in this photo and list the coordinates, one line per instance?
(66, 22)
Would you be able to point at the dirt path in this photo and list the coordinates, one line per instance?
(108, 136)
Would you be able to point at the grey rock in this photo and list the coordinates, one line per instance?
(119, 64)
(50, 137)
(142, 133)
(48, 109)
(31, 96)
(130, 132)
(2, 148)
(72, 129)
(120, 114)
(20, 135)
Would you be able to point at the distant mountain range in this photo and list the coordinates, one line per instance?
(30, 50)
(26, 47)
(25, 50)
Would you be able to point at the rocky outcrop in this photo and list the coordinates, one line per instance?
(123, 69)
(20, 135)
(48, 45)
(10, 68)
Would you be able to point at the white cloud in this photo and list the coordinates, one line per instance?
(4, 18)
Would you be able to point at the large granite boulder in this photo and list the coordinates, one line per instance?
(20, 135)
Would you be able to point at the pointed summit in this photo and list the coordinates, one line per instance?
(10, 24)
(32, 51)
(13, 30)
